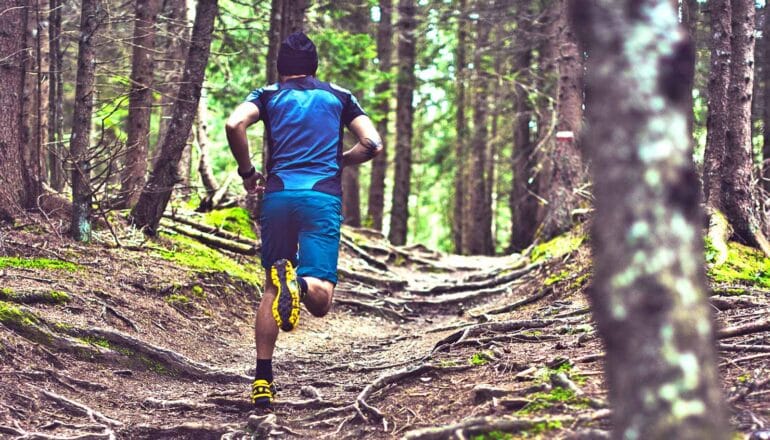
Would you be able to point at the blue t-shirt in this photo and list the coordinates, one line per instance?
(304, 120)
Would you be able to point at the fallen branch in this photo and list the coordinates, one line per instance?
(212, 240)
(221, 233)
(745, 329)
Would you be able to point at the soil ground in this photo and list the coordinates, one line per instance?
(132, 342)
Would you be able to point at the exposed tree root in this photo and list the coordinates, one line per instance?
(499, 327)
(201, 431)
(373, 280)
(211, 230)
(78, 408)
(728, 303)
(26, 435)
(719, 231)
(748, 348)
(213, 241)
(476, 285)
(745, 329)
(169, 358)
(522, 302)
(481, 425)
(350, 244)
(34, 297)
(378, 307)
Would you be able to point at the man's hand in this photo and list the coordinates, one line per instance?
(254, 183)
(369, 142)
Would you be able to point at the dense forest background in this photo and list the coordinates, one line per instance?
(480, 104)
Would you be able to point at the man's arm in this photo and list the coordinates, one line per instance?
(242, 117)
(369, 142)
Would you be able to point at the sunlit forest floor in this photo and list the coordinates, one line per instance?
(155, 340)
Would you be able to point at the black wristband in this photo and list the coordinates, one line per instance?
(248, 173)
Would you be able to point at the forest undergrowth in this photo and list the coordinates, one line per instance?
(154, 339)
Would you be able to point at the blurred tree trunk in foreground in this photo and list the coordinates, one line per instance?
(376, 204)
(649, 294)
(165, 174)
(399, 214)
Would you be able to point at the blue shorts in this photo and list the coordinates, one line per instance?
(302, 226)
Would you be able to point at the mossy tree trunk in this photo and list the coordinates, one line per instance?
(649, 295)
(157, 191)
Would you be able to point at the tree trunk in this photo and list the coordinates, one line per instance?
(478, 223)
(690, 11)
(356, 22)
(562, 168)
(376, 205)
(91, 16)
(201, 134)
(649, 295)
(176, 43)
(55, 98)
(739, 198)
(12, 30)
(43, 84)
(33, 170)
(461, 129)
(766, 101)
(719, 80)
(139, 102)
(157, 191)
(522, 202)
(399, 214)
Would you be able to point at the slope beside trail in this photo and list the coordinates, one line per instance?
(155, 340)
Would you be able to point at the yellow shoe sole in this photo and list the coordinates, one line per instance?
(285, 306)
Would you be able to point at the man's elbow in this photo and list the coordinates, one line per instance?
(374, 145)
(233, 125)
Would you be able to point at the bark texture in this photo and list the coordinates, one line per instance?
(35, 105)
(91, 15)
(561, 172)
(376, 204)
(399, 215)
(56, 98)
(139, 102)
(766, 101)
(740, 203)
(12, 26)
(461, 127)
(201, 135)
(478, 221)
(523, 205)
(649, 295)
(719, 80)
(157, 191)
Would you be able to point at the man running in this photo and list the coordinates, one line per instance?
(301, 210)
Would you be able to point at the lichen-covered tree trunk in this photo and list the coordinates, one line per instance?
(649, 295)
(55, 97)
(157, 191)
(139, 102)
(399, 214)
(739, 200)
(719, 80)
(12, 27)
(561, 170)
(205, 170)
(91, 15)
(376, 204)
(478, 222)
(461, 129)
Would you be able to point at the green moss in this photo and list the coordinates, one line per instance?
(494, 435)
(543, 400)
(176, 299)
(7, 293)
(744, 265)
(558, 246)
(543, 427)
(62, 327)
(157, 367)
(37, 263)
(480, 358)
(194, 255)
(198, 292)
(235, 220)
(14, 316)
(580, 281)
(59, 297)
(100, 342)
(555, 278)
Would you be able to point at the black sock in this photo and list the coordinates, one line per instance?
(264, 370)
(302, 287)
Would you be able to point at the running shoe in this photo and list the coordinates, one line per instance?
(262, 393)
(286, 303)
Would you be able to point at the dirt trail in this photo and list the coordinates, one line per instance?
(417, 341)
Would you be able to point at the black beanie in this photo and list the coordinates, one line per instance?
(297, 56)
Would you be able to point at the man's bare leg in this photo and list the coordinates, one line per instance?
(318, 299)
(265, 328)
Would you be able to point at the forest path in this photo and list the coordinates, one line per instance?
(418, 345)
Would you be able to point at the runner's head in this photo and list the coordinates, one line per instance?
(297, 56)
